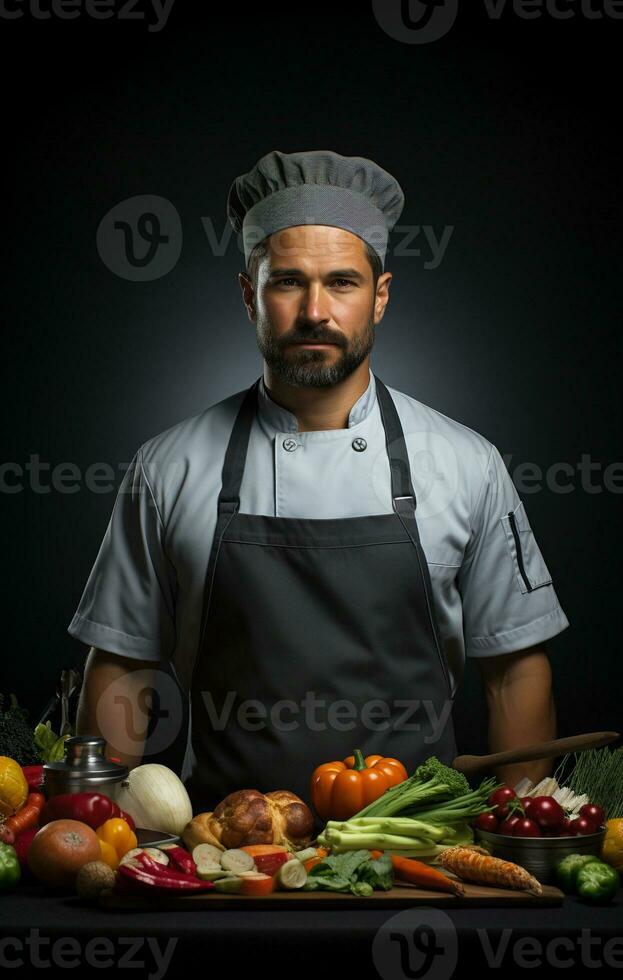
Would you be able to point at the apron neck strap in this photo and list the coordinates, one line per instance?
(236, 453)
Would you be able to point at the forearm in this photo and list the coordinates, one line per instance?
(521, 712)
(113, 704)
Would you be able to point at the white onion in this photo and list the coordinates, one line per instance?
(156, 798)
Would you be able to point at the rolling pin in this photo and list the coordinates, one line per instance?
(470, 764)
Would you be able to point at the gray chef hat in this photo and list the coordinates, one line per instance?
(316, 187)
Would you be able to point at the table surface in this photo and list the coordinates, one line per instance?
(347, 936)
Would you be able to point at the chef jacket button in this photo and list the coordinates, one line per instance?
(290, 445)
(359, 445)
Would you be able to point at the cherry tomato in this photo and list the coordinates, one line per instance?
(581, 826)
(565, 830)
(501, 799)
(486, 821)
(594, 813)
(526, 828)
(506, 826)
(547, 812)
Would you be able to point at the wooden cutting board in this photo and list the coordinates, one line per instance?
(399, 897)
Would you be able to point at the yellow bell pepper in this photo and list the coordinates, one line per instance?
(109, 855)
(118, 834)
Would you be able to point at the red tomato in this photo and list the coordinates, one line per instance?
(501, 799)
(486, 821)
(594, 813)
(547, 812)
(565, 830)
(506, 826)
(526, 828)
(581, 826)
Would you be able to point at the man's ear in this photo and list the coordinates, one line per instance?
(248, 294)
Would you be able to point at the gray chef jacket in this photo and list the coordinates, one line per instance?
(144, 594)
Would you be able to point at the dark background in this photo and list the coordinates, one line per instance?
(505, 129)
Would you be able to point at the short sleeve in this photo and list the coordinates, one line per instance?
(128, 604)
(508, 597)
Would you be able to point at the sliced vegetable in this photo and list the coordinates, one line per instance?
(154, 852)
(204, 851)
(291, 875)
(236, 860)
(230, 885)
(162, 880)
(257, 886)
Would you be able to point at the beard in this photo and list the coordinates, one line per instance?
(307, 368)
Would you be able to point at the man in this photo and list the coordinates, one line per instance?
(318, 553)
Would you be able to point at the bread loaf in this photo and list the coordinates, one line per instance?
(250, 817)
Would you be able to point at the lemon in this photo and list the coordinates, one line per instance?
(612, 850)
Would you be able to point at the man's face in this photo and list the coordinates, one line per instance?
(315, 284)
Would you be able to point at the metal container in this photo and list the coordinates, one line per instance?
(539, 855)
(85, 769)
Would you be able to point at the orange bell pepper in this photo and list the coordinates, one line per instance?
(118, 834)
(339, 790)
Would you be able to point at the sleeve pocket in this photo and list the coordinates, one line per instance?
(531, 572)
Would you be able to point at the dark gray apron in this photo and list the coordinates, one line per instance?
(317, 637)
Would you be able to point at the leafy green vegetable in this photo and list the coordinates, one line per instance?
(599, 774)
(355, 872)
(51, 746)
(432, 781)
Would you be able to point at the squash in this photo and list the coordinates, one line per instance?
(156, 798)
(13, 786)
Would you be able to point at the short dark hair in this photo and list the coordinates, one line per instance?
(261, 249)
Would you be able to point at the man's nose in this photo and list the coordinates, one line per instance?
(314, 304)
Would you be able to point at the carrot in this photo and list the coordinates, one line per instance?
(376, 854)
(474, 863)
(322, 852)
(418, 873)
(311, 862)
(258, 886)
(255, 849)
(28, 815)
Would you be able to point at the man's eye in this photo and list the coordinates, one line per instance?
(342, 282)
(347, 282)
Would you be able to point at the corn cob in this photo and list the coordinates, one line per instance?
(473, 863)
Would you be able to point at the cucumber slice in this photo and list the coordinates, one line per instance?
(229, 886)
(306, 854)
(291, 875)
(237, 860)
(213, 874)
(203, 851)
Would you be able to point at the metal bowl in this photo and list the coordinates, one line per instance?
(539, 855)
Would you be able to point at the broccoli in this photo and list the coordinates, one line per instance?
(16, 736)
(432, 781)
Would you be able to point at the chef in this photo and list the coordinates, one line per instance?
(318, 553)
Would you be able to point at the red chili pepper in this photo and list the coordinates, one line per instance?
(93, 809)
(164, 880)
(179, 858)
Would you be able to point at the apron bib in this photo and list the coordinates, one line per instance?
(317, 637)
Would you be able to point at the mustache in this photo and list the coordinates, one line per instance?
(310, 337)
